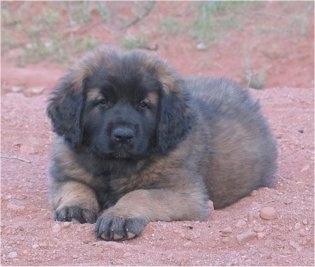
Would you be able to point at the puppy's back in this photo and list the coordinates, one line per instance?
(242, 154)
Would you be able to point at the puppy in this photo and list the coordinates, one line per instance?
(138, 143)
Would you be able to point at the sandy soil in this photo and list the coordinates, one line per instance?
(237, 235)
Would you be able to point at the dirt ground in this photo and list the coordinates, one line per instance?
(236, 235)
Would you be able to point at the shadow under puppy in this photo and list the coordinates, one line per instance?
(138, 143)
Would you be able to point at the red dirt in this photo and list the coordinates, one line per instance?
(236, 235)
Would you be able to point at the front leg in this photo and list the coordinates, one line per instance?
(74, 201)
(133, 211)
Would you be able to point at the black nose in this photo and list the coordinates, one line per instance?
(123, 134)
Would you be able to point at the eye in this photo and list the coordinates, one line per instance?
(143, 104)
(101, 103)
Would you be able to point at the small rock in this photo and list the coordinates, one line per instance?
(16, 89)
(12, 255)
(225, 239)
(16, 205)
(201, 47)
(66, 224)
(88, 241)
(288, 201)
(253, 193)
(295, 245)
(43, 244)
(7, 197)
(127, 255)
(35, 246)
(37, 90)
(240, 223)
(297, 226)
(268, 213)
(261, 235)
(302, 232)
(305, 168)
(258, 228)
(226, 230)
(188, 244)
(304, 221)
(56, 228)
(245, 236)
(28, 149)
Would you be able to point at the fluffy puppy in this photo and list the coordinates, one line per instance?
(138, 143)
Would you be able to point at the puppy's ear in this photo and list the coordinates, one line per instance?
(175, 120)
(65, 109)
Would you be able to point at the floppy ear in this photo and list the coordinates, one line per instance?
(65, 109)
(175, 120)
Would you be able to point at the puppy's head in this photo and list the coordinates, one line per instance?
(120, 105)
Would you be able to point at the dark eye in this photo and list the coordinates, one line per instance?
(143, 104)
(101, 103)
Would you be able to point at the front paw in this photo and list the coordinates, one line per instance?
(75, 213)
(118, 228)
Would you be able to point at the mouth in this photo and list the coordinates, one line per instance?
(118, 154)
(121, 154)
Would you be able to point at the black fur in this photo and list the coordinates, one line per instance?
(65, 110)
(176, 119)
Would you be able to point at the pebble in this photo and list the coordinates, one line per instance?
(226, 230)
(7, 197)
(188, 244)
(225, 239)
(304, 221)
(295, 245)
(43, 245)
(258, 228)
(15, 205)
(302, 232)
(240, 223)
(297, 226)
(201, 47)
(37, 90)
(56, 228)
(66, 224)
(305, 168)
(288, 201)
(245, 236)
(28, 149)
(12, 255)
(268, 213)
(261, 235)
(127, 255)
(16, 89)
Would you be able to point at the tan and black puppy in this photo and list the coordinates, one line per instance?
(137, 143)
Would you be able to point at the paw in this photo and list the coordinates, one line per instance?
(75, 213)
(118, 228)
